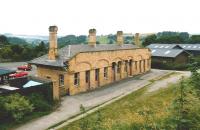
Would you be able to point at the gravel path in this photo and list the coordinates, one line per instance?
(70, 105)
(169, 80)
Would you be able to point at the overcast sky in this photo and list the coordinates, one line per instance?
(107, 16)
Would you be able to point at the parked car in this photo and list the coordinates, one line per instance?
(24, 67)
(18, 74)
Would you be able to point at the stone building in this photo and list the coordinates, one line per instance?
(78, 68)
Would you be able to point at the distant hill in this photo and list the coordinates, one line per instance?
(24, 39)
(16, 40)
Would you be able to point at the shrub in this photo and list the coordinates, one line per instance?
(39, 102)
(2, 109)
(17, 106)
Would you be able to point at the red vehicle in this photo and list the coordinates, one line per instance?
(24, 67)
(18, 75)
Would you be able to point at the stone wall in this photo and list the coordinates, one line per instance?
(138, 61)
(83, 62)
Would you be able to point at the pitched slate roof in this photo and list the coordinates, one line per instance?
(164, 46)
(69, 51)
(172, 53)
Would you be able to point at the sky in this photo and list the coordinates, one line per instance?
(33, 17)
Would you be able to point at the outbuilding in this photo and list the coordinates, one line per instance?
(4, 75)
(176, 56)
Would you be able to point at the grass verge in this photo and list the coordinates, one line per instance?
(135, 108)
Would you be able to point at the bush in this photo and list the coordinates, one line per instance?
(17, 106)
(2, 109)
(39, 102)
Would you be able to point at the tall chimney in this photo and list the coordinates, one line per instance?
(137, 40)
(120, 39)
(92, 37)
(53, 52)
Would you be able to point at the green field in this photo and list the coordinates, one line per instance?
(103, 39)
(139, 110)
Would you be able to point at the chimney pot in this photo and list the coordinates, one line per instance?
(92, 37)
(120, 39)
(137, 39)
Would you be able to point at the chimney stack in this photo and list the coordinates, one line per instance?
(53, 52)
(137, 40)
(92, 37)
(120, 39)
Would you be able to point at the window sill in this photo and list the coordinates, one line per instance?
(61, 86)
(77, 85)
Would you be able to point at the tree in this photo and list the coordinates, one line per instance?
(6, 53)
(112, 37)
(149, 39)
(128, 39)
(194, 39)
(170, 39)
(17, 49)
(184, 36)
(110, 42)
(27, 53)
(3, 40)
(41, 47)
(18, 106)
(81, 39)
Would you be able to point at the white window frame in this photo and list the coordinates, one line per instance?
(61, 80)
(76, 79)
(105, 72)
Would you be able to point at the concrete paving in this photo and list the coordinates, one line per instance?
(70, 105)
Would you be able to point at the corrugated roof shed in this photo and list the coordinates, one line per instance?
(172, 53)
(164, 46)
(188, 47)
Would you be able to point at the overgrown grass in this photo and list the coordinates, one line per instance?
(130, 112)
